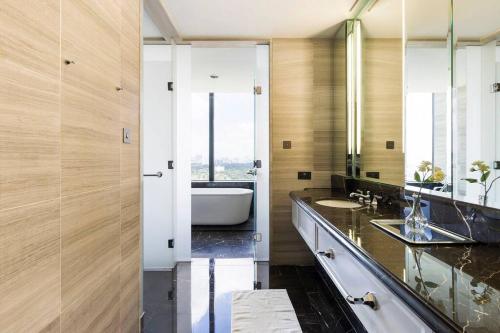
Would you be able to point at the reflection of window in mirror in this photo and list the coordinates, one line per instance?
(428, 111)
(426, 108)
(477, 105)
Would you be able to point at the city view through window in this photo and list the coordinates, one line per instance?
(233, 136)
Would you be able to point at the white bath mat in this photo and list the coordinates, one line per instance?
(263, 311)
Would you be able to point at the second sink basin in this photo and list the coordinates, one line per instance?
(338, 203)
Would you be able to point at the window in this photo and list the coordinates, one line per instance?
(223, 136)
(199, 136)
(233, 136)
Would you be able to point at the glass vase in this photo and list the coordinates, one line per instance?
(416, 220)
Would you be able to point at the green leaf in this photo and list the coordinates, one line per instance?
(430, 284)
(416, 175)
(470, 180)
(485, 176)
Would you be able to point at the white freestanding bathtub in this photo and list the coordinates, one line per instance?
(220, 206)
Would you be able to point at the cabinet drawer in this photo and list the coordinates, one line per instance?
(307, 228)
(353, 279)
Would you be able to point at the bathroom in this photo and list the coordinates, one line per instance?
(235, 166)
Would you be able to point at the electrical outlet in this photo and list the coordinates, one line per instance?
(304, 175)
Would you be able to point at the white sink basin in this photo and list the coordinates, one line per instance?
(338, 203)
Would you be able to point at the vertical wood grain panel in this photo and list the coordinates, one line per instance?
(29, 166)
(382, 111)
(29, 102)
(301, 111)
(90, 102)
(30, 267)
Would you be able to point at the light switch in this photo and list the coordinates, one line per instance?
(127, 136)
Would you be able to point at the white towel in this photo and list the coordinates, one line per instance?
(263, 311)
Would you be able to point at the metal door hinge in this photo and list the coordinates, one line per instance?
(170, 164)
(170, 86)
(257, 90)
(257, 237)
(170, 243)
(257, 164)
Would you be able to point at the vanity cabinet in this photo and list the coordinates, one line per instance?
(377, 308)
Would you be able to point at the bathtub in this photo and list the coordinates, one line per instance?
(220, 206)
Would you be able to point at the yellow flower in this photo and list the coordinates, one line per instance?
(438, 175)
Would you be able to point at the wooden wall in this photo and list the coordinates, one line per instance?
(69, 189)
(302, 112)
(382, 109)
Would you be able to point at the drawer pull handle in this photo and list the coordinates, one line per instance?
(329, 253)
(368, 299)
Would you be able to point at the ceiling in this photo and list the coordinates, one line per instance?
(257, 19)
(234, 67)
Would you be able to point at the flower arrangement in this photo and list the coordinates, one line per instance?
(484, 170)
(427, 173)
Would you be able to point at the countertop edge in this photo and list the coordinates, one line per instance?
(430, 315)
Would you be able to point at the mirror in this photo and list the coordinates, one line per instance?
(374, 93)
(476, 101)
(427, 94)
(381, 104)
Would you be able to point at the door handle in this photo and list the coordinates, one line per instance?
(252, 172)
(159, 174)
(367, 299)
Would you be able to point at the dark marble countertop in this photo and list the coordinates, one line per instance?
(461, 282)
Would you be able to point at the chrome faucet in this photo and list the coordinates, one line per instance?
(361, 197)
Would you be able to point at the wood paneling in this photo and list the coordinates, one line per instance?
(90, 232)
(29, 102)
(382, 111)
(69, 189)
(30, 267)
(130, 227)
(90, 102)
(301, 111)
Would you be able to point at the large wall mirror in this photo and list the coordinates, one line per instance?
(476, 101)
(427, 92)
(427, 88)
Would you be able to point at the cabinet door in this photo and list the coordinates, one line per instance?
(353, 279)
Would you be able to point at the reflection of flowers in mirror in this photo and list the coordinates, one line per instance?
(485, 172)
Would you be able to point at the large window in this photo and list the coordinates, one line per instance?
(223, 136)
(233, 136)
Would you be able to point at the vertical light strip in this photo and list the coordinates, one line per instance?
(403, 76)
(349, 94)
(359, 94)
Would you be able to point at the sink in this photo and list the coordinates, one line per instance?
(338, 203)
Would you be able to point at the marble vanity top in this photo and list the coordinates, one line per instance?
(460, 281)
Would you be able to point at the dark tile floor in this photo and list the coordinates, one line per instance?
(222, 244)
(245, 226)
(200, 296)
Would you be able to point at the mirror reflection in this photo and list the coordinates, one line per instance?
(477, 101)
(427, 96)
(379, 116)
